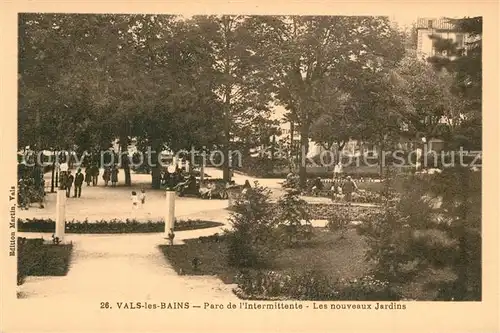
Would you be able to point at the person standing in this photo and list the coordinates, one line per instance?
(106, 175)
(88, 175)
(114, 176)
(142, 196)
(78, 183)
(95, 174)
(337, 170)
(69, 183)
(317, 186)
(348, 188)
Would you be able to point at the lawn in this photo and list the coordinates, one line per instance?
(336, 257)
(327, 251)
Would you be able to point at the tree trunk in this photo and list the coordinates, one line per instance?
(226, 172)
(304, 149)
(155, 167)
(53, 173)
(381, 157)
(273, 148)
(340, 148)
(125, 160)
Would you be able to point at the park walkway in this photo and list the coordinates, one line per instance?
(125, 266)
(131, 265)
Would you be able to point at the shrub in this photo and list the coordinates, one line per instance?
(37, 258)
(435, 224)
(291, 213)
(253, 241)
(387, 238)
(339, 220)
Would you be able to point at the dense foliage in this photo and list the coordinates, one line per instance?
(253, 240)
(436, 224)
(35, 258)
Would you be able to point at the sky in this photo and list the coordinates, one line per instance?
(404, 20)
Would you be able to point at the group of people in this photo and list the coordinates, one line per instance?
(110, 174)
(171, 179)
(138, 199)
(68, 180)
(340, 186)
(92, 174)
(31, 186)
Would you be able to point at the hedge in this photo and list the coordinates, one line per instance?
(114, 226)
(36, 258)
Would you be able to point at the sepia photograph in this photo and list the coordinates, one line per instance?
(171, 163)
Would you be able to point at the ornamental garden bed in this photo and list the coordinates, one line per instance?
(36, 258)
(326, 251)
(327, 267)
(325, 211)
(111, 226)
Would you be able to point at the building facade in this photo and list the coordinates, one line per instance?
(427, 27)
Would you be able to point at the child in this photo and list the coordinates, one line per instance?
(135, 200)
(142, 196)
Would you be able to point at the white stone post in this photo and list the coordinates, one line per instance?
(169, 212)
(61, 214)
(187, 166)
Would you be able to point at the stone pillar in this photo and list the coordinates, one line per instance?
(187, 166)
(61, 214)
(169, 211)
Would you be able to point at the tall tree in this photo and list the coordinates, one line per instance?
(336, 126)
(95, 78)
(242, 80)
(464, 61)
(182, 110)
(430, 97)
(311, 56)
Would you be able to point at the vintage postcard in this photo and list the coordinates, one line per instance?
(249, 167)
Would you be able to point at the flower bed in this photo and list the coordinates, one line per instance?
(310, 285)
(35, 258)
(111, 226)
(326, 212)
(361, 197)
